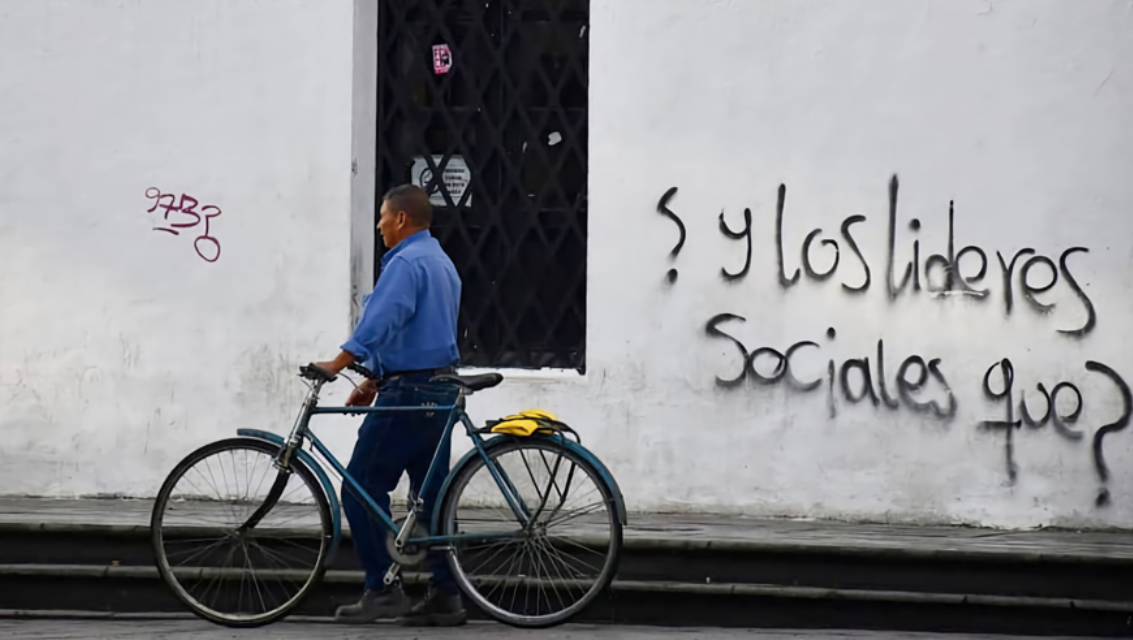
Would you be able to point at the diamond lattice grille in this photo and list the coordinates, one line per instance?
(512, 108)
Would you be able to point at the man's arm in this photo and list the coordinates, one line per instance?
(364, 394)
(392, 304)
(340, 362)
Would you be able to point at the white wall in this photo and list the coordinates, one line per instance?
(120, 347)
(1020, 112)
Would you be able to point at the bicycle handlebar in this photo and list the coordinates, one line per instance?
(362, 371)
(312, 372)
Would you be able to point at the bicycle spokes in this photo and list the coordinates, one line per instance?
(551, 564)
(238, 538)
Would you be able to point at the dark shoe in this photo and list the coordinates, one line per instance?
(437, 610)
(374, 605)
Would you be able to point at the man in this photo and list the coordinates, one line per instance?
(407, 334)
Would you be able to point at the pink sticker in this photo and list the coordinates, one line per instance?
(442, 59)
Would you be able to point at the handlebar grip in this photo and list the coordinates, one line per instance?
(363, 371)
(311, 372)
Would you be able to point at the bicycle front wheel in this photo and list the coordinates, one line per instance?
(239, 541)
(544, 573)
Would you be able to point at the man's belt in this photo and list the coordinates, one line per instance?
(413, 372)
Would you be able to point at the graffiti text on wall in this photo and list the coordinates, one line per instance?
(940, 274)
(916, 382)
(186, 215)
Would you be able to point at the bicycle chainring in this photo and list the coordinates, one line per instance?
(409, 556)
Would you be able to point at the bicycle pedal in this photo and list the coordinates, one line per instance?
(393, 575)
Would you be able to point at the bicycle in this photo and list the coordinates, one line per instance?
(270, 524)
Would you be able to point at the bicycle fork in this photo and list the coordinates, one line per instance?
(282, 462)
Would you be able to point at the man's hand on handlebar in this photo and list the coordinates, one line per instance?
(345, 360)
(334, 367)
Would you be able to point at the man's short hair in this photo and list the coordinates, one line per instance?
(413, 201)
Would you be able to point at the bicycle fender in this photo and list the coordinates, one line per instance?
(584, 453)
(607, 477)
(317, 469)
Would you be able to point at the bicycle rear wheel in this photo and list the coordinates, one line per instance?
(240, 542)
(546, 573)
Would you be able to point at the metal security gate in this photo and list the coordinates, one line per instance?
(484, 103)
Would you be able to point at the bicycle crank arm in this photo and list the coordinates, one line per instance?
(392, 575)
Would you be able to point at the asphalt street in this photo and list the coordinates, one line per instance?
(199, 630)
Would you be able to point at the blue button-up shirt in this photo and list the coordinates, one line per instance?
(409, 322)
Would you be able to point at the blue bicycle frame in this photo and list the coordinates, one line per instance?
(301, 432)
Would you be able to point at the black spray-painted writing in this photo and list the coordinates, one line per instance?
(951, 272)
(663, 209)
(1016, 416)
(1117, 425)
(806, 254)
(738, 235)
(784, 281)
(943, 273)
(854, 377)
(1030, 290)
(919, 384)
(1009, 425)
(846, 224)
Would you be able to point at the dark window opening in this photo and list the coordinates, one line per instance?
(484, 103)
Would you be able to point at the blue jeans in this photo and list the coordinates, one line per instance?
(390, 444)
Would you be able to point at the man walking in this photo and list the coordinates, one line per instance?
(407, 334)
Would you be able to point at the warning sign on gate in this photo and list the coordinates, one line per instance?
(456, 179)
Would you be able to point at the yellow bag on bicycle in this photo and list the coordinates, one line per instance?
(527, 423)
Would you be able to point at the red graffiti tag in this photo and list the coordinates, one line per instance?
(186, 216)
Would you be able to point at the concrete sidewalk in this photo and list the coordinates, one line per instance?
(688, 531)
(200, 630)
(94, 556)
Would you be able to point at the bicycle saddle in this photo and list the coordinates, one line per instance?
(472, 383)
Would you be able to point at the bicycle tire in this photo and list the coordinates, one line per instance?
(162, 561)
(451, 502)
